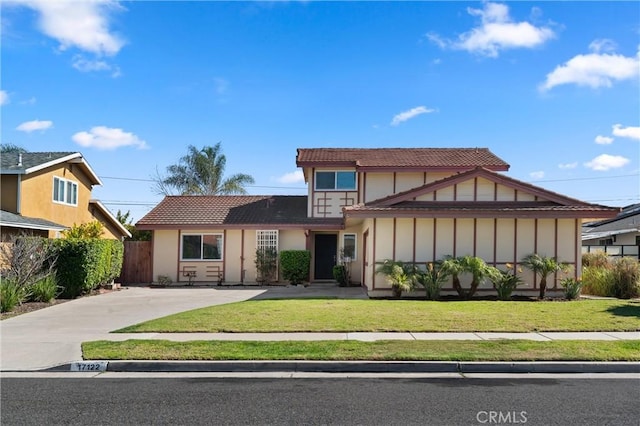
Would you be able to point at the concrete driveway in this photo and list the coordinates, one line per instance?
(52, 336)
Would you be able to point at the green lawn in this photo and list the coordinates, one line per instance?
(342, 350)
(338, 315)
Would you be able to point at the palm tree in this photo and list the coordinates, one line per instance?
(542, 266)
(400, 275)
(455, 266)
(201, 172)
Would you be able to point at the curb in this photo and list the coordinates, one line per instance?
(347, 367)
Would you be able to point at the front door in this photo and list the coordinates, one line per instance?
(326, 249)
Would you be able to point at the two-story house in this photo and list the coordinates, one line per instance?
(44, 193)
(410, 204)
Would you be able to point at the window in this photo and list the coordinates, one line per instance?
(349, 246)
(202, 247)
(606, 242)
(267, 240)
(336, 181)
(65, 191)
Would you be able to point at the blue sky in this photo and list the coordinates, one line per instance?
(550, 87)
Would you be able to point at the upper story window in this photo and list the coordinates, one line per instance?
(65, 191)
(331, 181)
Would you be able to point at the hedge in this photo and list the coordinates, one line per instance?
(84, 264)
(295, 265)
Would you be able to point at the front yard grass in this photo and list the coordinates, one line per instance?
(345, 350)
(339, 315)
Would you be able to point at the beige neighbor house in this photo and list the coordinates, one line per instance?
(411, 204)
(44, 193)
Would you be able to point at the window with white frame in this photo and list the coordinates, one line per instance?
(349, 246)
(65, 191)
(267, 240)
(202, 247)
(335, 181)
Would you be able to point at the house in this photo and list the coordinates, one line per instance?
(44, 193)
(411, 204)
(619, 236)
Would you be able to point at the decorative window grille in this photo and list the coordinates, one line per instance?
(267, 240)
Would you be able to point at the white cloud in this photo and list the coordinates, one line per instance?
(89, 65)
(537, 175)
(102, 137)
(626, 132)
(594, 69)
(496, 32)
(4, 97)
(293, 177)
(568, 165)
(603, 140)
(31, 101)
(80, 24)
(32, 126)
(605, 162)
(407, 115)
(603, 45)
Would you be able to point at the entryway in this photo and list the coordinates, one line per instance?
(325, 252)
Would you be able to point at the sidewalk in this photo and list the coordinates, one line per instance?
(372, 337)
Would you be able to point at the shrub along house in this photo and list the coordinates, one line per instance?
(44, 193)
(410, 204)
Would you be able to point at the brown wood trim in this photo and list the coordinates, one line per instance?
(415, 231)
(395, 176)
(373, 254)
(475, 236)
(515, 195)
(364, 187)
(555, 252)
(242, 255)
(577, 243)
(455, 192)
(495, 240)
(224, 253)
(178, 262)
(424, 180)
(435, 237)
(475, 189)
(312, 186)
(455, 236)
(515, 244)
(395, 237)
(535, 249)
(495, 191)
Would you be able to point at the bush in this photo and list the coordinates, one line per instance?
(83, 265)
(340, 275)
(295, 265)
(400, 275)
(626, 278)
(505, 282)
(597, 281)
(432, 279)
(11, 295)
(571, 288)
(25, 260)
(44, 290)
(598, 259)
(267, 265)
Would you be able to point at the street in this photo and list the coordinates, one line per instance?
(343, 401)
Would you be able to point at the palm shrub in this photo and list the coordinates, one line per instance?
(399, 275)
(572, 287)
(542, 266)
(505, 282)
(626, 278)
(456, 266)
(432, 279)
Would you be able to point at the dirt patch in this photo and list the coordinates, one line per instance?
(35, 306)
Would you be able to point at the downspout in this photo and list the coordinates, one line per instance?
(19, 195)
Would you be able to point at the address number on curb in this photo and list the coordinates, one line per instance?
(89, 366)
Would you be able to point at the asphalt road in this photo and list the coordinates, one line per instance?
(216, 401)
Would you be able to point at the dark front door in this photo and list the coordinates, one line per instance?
(326, 247)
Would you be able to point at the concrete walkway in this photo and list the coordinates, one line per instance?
(52, 336)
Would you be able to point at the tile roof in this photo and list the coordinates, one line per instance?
(192, 211)
(421, 158)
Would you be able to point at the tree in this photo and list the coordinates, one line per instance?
(399, 274)
(85, 231)
(456, 266)
(10, 147)
(201, 172)
(136, 234)
(543, 267)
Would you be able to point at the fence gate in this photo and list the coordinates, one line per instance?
(136, 266)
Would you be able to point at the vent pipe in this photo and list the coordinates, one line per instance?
(19, 159)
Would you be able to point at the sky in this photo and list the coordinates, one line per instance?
(552, 88)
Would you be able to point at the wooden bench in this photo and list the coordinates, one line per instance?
(189, 273)
(216, 272)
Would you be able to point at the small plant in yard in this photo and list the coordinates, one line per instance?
(505, 282)
(11, 295)
(399, 274)
(432, 279)
(572, 287)
(340, 275)
(164, 280)
(598, 280)
(543, 267)
(626, 278)
(267, 265)
(44, 290)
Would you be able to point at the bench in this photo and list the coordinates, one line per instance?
(189, 273)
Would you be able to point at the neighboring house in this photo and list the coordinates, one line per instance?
(619, 236)
(415, 205)
(44, 193)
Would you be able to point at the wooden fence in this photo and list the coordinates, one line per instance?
(137, 265)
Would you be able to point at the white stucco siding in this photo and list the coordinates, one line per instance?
(484, 239)
(486, 190)
(404, 240)
(505, 234)
(444, 238)
(504, 193)
(464, 237)
(546, 243)
(378, 185)
(445, 194)
(233, 253)
(384, 239)
(424, 240)
(405, 181)
(166, 245)
(465, 191)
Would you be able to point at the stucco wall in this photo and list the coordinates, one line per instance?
(9, 193)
